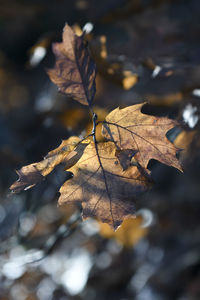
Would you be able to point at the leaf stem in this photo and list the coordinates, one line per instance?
(94, 119)
(95, 123)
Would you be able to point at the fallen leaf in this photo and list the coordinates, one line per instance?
(32, 174)
(104, 189)
(129, 128)
(74, 72)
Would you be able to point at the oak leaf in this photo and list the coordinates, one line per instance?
(100, 184)
(32, 174)
(74, 72)
(129, 128)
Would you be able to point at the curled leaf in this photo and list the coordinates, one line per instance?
(74, 72)
(129, 128)
(32, 174)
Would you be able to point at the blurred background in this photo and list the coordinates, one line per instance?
(145, 50)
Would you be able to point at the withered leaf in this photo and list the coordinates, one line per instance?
(104, 189)
(129, 128)
(32, 174)
(74, 72)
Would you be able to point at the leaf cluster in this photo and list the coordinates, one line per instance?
(108, 176)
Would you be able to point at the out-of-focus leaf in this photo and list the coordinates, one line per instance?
(128, 234)
(74, 118)
(115, 68)
(184, 139)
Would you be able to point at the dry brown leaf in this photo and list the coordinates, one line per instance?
(74, 72)
(32, 174)
(104, 189)
(129, 128)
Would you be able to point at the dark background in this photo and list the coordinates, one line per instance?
(158, 262)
